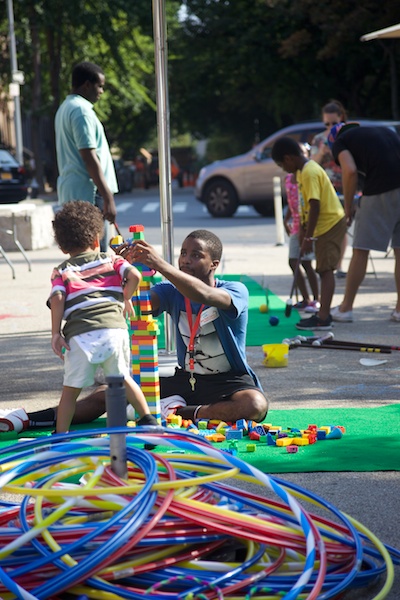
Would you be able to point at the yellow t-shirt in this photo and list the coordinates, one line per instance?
(314, 184)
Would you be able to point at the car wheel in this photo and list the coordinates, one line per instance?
(265, 209)
(220, 198)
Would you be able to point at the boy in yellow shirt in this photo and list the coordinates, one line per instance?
(323, 223)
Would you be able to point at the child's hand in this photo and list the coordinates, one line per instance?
(129, 311)
(126, 251)
(59, 345)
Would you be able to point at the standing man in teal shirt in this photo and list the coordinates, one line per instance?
(86, 169)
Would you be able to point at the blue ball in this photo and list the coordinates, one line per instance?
(273, 321)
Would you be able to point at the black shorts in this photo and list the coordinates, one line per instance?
(208, 388)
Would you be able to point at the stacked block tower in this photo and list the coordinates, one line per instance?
(143, 331)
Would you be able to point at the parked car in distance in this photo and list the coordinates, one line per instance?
(248, 178)
(125, 175)
(13, 179)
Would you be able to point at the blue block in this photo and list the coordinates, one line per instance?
(234, 434)
(259, 429)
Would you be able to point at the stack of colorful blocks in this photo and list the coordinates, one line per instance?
(144, 330)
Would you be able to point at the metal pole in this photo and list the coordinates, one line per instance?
(280, 232)
(116, 417)
(16, 79)
(164, 153)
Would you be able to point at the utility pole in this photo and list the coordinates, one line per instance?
(17, 78)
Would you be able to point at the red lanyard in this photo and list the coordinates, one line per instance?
(193, 330)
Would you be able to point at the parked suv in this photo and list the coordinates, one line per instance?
(248, 179)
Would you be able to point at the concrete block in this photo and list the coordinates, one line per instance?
(33, 223)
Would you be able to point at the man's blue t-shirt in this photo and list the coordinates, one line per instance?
(220, 343)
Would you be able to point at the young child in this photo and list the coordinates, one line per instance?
(323, 222)
(92, 292)
(292, 225)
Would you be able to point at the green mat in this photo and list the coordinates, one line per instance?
(259, 331)
(371, 441)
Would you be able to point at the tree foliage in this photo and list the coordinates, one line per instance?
(278, 61)
(237, 68)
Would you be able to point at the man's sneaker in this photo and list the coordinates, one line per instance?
(314, 323)
(170, 404)
(395, 316)
(14, 419)
(312, 307)
(341, 317)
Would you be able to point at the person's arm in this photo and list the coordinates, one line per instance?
(131, 282)
(95, 171)
(189, 286)
(286, 221)
(349, 182)
(57, 304)
(313, 214)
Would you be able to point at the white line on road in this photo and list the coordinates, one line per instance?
(151, 207)
(179, 207)
(124, 206)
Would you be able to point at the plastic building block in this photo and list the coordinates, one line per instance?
(259, 429)
(216, 437)
(250, 447)
(175, 420)
(335, 434)
(234, 434)
(326, 428)
(242, 424)
(292, 449)
(284, 441)
(298, 441)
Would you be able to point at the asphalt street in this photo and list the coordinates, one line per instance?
(31, 375)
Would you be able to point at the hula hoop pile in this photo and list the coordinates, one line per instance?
(179, 527)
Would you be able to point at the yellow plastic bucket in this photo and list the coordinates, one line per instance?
(276, 355)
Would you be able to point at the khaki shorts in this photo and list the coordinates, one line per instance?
(328, 247)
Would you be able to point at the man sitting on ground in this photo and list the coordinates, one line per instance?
(213, 380)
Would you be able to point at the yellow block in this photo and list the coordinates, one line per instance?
(285, 441)
(300, 441)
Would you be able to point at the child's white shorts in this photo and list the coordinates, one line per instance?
(108, 348)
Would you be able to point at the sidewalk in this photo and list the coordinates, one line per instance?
(31, 374)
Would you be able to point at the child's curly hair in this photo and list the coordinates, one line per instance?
(77, 225)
